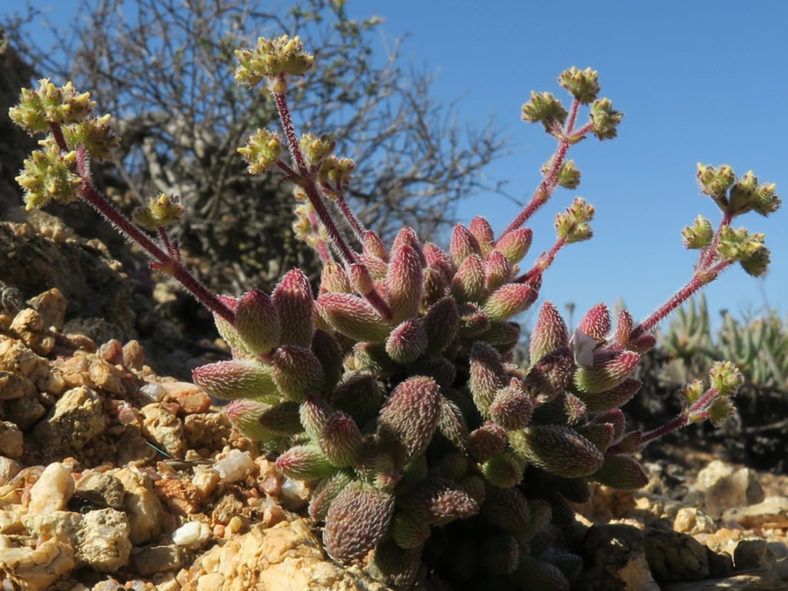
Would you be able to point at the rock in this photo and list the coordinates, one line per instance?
(100, 489)
(13, 386)
(164, 429)
(51, 306)
(106, 376)
(104, 543)
(156, 559)
(673, 556)
(191, 534)
(771, 512)
(207, 431)
(36, 569)
(234, 466)
(143, 509)
(744, 582)
(753, 553)
(11, 520)
(11, 444)
(19, 359)
(77, 418)
(180, 495)
(52, 490)
(26, 411)
(615, 559)
(8, 469)
(29, 326)
(189, 398)
(725, 487)
(133, 355)
(691, 520)
(285, 556)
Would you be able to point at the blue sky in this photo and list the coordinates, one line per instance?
(698, 81)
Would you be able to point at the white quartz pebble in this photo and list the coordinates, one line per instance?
(52, 490)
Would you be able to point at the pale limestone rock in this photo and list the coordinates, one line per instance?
(771, 512)
(36, 569)
(11, 520)
(107, 377)
(286, 556)
(725, 487)
(143, 509)
(51, 305)
(690, 520)
(164, 429)
(8, 469)
(52, 490)
(31, 328)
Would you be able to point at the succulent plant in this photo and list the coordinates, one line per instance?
(393, 387)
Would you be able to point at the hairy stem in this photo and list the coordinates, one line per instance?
(550, 181)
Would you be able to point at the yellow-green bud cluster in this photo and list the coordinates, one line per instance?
(316, 149)
(605, 119)
(271, 58)
(582, 84)
(748, 195)
(572, 226)
(745, 248)
(159, 211)
(715, 181)
(49, 174)
(544, 108)
(262, 151)
(699, 234)
(49, 104)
